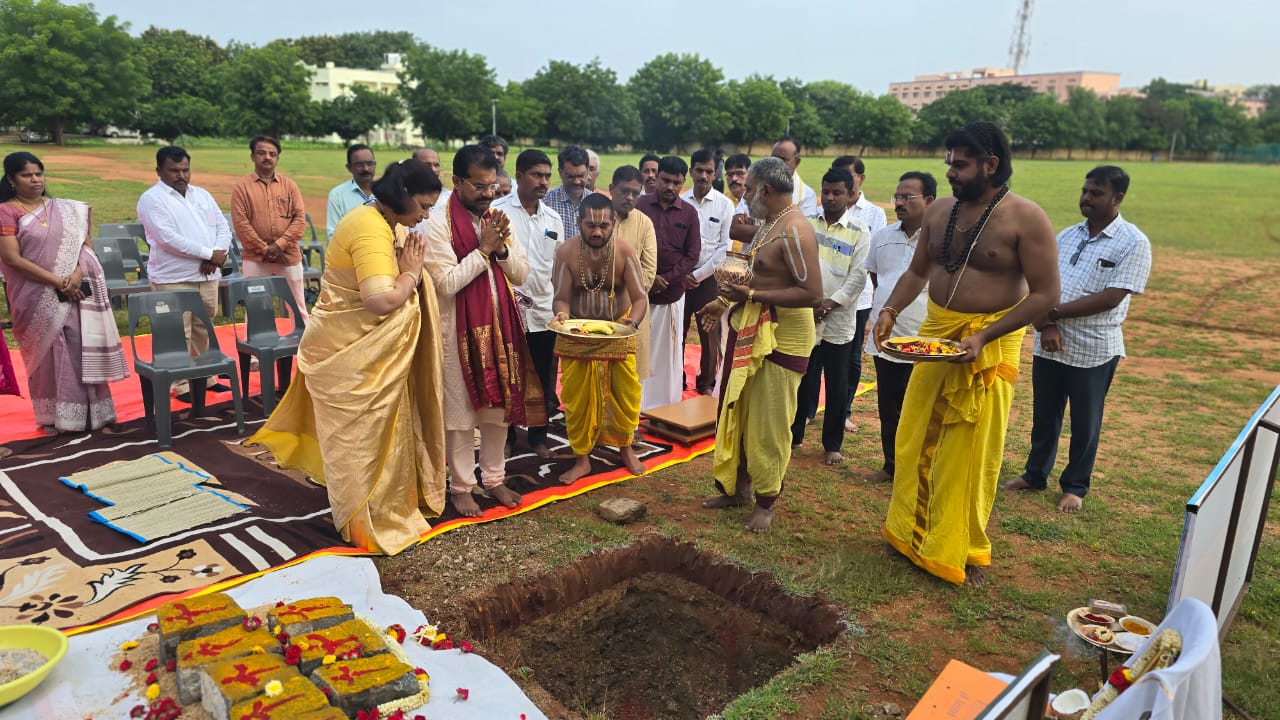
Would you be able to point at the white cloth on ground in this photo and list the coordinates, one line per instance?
(80, 686)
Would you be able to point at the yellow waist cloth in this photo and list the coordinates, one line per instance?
(364, 415)
(601, 401)
(950, 446)
(756, 393)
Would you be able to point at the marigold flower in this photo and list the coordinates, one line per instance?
(129, 645)
(153, 691)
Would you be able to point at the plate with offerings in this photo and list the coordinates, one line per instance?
(1099, 630)
(597, 329)
(921, 349)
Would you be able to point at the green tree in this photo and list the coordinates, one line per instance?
(584, 104)
(1269, 126)
(265, 91)
(1124, 129)
(682, 100)
(183, 97)
(1160, 90)
(760, 110)
(807, 126)
(1039, 123)
(357, 113)
(1086, 120)
(519, 115)
(890, 124)
(173, 117)
(449, 93)
(60, 66)
(950, 112)
(353, 50)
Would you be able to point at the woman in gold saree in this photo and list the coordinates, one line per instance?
(364, 415)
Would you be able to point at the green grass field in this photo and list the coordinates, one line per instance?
(1203, 354)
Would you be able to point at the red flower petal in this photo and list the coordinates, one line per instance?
(125, 665)
(151, 678)
(171, 665)
(466, 646)
(152, 627)
(151, 665)
(463, 693)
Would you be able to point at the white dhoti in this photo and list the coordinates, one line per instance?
(665, 384)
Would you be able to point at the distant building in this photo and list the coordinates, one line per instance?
(1233, 95)
(329, 82)
(917, 93)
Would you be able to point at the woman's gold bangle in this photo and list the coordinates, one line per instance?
(416, 279)
(888, 309)
(724, 300)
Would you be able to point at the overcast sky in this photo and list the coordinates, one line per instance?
(1229, 42)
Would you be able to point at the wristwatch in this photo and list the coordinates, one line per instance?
(1054, 315)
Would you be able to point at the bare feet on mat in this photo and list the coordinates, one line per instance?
(542, 451)
(974, 576)
(464, 504)
(759, 520)
(632, 461)
(850, 426)
(1018, 483)
(1069, 503)
(879, 476)
(833, 458)
(505, 495)
(581, 466)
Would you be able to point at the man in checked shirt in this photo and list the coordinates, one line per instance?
(1103, 261)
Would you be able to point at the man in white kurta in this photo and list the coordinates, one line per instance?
(474, 185)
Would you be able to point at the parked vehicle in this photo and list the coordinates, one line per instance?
(27, 135)
(112, 131)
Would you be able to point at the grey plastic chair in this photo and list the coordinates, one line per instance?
(111, 258)
(262, 340)
(171, 361)
(134, 259)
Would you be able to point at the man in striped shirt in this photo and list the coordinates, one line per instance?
(1079, 343)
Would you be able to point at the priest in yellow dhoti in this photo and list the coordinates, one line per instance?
(986, 284)
(598, 276)
(771, 333)
(363, 416)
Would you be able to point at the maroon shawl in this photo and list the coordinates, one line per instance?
(495, 360)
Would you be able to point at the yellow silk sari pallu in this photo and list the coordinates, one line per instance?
(950, 445)
(757, 391)
(600, 390)
(364, 418)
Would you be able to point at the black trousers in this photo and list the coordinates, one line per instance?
(891, 387)
(855, 360)
(709, 357)
(833, 362)
(542, 350)
(1057, 385)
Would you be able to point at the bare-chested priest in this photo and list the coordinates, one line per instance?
(990, 260)
(597, 276)
(771, 333)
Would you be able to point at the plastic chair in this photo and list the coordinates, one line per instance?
(111, 258)
(170, 359)
(134, 259)
(262, 340)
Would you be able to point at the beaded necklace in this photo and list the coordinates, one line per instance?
(952, 264)
(607, 270)
(761, 238)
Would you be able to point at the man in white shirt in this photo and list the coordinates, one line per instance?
(540, 230)
(432, 158)
(189, 239)
(786, 149)
(892, 248)
(873, 215)
(355, 192)
(843, 241)
(715, 211)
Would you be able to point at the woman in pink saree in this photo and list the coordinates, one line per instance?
(58, 299)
